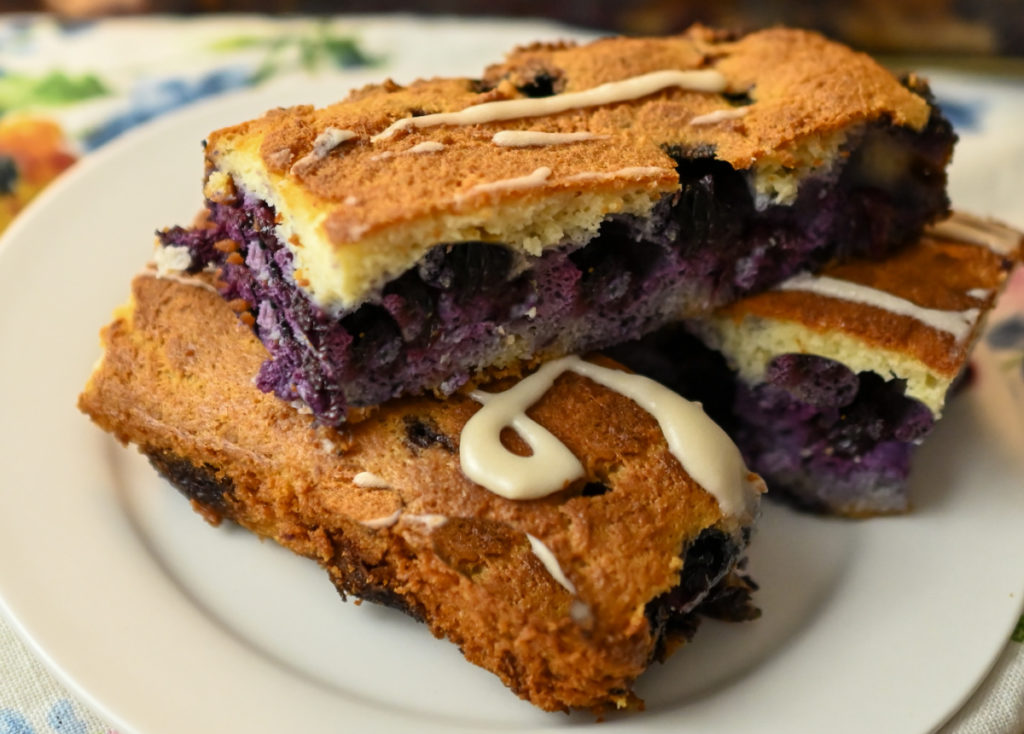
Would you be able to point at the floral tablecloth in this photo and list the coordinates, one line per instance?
(67, 89)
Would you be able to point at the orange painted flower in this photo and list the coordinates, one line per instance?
(33, 152)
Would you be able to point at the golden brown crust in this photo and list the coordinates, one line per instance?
(802, 86)
(937, 273)
(176, 381)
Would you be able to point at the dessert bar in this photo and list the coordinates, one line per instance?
(567, 594)
(828, 382)
(418, 238)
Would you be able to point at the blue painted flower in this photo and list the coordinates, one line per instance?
(74, 26)
(1007, 334)
(151, 98)
(963, 114)
(63, 719)
(12, 722)
(16, 34)
(8, 175)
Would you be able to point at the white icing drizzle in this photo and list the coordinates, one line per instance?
(702, 448)
(171, 258)
(519, 183)
(977, 231)
(370, 481)
(175, 277)
(303, 164)
(698, 80)
(300, 406)
(351, 200)
(533, 138)
(431, 522)
(329, 139)
(979, 293)
(383, 522)
(545, 556)
(630, 172)
(579, 612)
(487, 462)
(957, 323)
(712, 118)
(427, 146)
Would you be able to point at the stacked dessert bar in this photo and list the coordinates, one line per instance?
(365, 348)
(829, 381)
(566, 597)
(411, 238)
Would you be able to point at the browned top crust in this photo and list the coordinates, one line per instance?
(801, 84)
(959, 267)
(176, 380)
(936, 273)
(804, 89)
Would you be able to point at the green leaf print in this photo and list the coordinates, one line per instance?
(18, 91)
(1018, 634)
(314, 49)
(240, 43)
(345, 52)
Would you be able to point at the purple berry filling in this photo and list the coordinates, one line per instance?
(821, 436)
(703, 588)
(456, 312)
(832, 440)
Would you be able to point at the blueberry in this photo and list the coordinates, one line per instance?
(543, 84)
(467, 266)
(1007, 334)
(8, 175)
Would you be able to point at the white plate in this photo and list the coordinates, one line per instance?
(166, 626)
